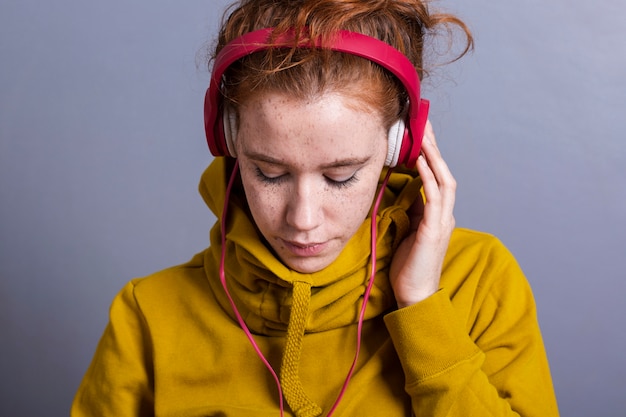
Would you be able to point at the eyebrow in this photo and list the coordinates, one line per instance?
(335, 164)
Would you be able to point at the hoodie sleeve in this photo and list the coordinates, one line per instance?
(119, 381)
(475, 347)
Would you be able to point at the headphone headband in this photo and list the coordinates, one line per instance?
(352, 43)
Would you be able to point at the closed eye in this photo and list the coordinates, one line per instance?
(269, 179)
(330, 180)
(342, 183)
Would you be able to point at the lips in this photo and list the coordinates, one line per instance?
(304, 249)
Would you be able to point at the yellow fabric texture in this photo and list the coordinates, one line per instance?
(291, 385)
(173, 348)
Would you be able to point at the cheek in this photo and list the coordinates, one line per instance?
(355, 206)
(264, 203)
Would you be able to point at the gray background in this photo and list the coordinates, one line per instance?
(101, 149)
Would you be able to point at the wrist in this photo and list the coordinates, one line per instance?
(415, 297)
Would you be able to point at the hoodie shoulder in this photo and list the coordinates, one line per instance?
(173, 282)
(477, 262)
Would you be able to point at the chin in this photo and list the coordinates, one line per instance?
(308, 265)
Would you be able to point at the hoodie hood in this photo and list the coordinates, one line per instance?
(262, 286)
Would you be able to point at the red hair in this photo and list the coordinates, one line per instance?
(304, 73)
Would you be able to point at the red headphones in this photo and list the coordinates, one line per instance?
(405, 136)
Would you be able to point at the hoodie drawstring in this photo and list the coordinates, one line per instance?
(294, 393)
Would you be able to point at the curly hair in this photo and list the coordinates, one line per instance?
(306, 72)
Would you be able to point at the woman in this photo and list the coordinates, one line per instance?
(301, 305)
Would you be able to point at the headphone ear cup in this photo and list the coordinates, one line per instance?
(395, 137)
(229, 122)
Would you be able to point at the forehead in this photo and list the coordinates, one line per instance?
(285, 103)
(326, 127)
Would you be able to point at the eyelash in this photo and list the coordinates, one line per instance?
(280, 179)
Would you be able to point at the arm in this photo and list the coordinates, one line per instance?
(475, 347)
(119, 381)
(469, 343)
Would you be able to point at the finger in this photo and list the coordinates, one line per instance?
(433, 206)
(438, 165)
(430, 132)
(439, 183)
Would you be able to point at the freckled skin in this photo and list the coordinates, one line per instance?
(310, 171)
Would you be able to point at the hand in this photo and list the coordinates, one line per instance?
(416, 266)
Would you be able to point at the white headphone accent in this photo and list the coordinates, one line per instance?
(394, 143)
(230, 130)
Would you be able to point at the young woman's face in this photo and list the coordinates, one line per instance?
(310, 171)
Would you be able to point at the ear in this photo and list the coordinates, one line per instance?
(229, 119)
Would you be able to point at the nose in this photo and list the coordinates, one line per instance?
(304, 211)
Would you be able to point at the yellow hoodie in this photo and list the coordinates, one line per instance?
(173, 348)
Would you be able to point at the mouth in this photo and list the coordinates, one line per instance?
(304, 249)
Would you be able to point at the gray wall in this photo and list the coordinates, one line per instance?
(101, 148)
